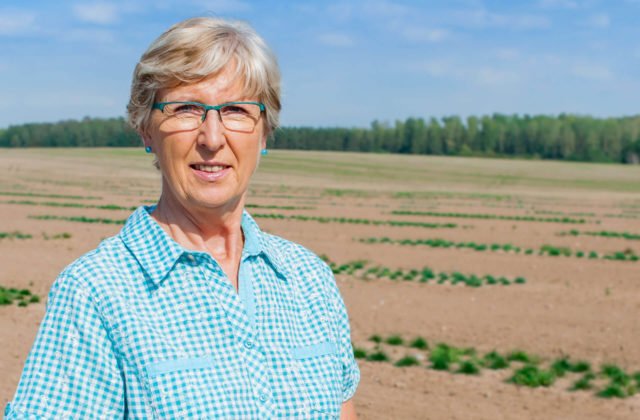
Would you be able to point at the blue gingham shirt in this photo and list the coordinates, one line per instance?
(142, 328)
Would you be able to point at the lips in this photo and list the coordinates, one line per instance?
(209, 168)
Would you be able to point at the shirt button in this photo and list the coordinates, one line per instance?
(263, 397)
(191, 258)
(248, 344)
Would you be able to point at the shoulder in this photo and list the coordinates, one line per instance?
(95, 271)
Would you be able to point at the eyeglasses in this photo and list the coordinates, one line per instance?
(234, 116)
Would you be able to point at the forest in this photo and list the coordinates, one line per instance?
(562, 137)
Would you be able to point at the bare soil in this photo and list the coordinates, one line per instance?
(583, 308)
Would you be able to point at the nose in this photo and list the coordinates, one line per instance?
(211, 133)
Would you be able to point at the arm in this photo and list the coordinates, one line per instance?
(350, 370)
(348, 411)
(72, 370)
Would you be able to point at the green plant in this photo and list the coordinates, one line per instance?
(419, 343)
(584, 382)
(378, 356)
(532, 376)
(493, 360)
(407, 361)
(469, 367)
(394, 340)
(359, 353)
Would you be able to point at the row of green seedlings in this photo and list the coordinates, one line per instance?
(610, 381)
(84, 219)
(604, 234)
(23, 297)
(549, 250)
(20, 235)
(562, 213)
(490, 216)
(356, 221)
(129, 208)
(362, 269)
(40, 195)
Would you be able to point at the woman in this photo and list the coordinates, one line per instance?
(191, 311)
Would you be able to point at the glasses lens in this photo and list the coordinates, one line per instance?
(184, 116)
(240, 117)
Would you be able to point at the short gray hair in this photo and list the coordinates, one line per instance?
(196, 48)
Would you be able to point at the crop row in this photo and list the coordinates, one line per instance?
(550, 250)
(22, 297)
(16, 234)
(490, 216)
(28, 194)
(362, 269)
(526, 370)
(603, 233)
(356, 221)
(19, 235)
(129, 208)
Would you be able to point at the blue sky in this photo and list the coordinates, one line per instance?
(344, 63)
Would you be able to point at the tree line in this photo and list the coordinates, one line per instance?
(563, 137)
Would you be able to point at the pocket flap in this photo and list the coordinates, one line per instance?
(314, 350)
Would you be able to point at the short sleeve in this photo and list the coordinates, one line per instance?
(71, 371)
(350, 370)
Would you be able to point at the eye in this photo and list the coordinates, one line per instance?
(235, 109)
(184, 109)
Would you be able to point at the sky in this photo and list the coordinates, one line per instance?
(344, 63)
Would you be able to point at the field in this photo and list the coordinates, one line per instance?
(476, 288)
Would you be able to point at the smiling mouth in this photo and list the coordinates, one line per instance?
(209, 168)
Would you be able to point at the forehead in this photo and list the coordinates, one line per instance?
(223, 86)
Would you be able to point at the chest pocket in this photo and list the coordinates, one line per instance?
(195, 387)
(318, 377)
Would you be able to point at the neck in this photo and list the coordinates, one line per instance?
(216, 231)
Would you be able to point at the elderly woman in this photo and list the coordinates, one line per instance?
(192, 311)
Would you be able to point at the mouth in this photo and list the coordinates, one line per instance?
(212, 169)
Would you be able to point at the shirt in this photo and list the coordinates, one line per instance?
(143, 328)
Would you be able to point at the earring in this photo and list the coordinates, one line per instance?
(147, 149)
(264, 152)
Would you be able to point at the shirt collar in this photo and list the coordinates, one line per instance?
(157, 253)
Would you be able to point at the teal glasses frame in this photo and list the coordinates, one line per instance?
(161, 106)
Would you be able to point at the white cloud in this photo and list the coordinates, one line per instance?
(16, 23)
(336, 39)
(99, 13)
(594, 72)
(223, 6)
(420, 34)
(485, 19)
(477, 75)
(599, 21)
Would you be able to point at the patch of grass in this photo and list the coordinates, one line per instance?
(80, 219)
(584, 383)
(532, 376)
(407, 361)
(359, 353)
(469, 367)
(378, 356)
(490, 216)
(375, 338)
(394, 340)
(22, 297)
(16, 234)
(494, 360)
(419, 343)
(28, 194)
(355, 221)
(443, 355)
(522, 356)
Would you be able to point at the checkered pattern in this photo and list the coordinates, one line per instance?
(143, 328)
